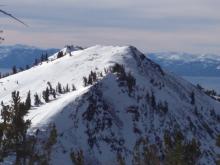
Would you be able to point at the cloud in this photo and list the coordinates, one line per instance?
(158, 24)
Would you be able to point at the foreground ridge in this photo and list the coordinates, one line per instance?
(124, 109)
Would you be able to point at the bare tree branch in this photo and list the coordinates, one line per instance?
(10, 15)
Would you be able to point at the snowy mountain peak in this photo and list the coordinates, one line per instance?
(121, 104)
(67, 50)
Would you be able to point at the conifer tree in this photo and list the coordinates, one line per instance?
(42, 58)
(85, 81)
(120, 159)
(153, 101)
(35, 62)
(53, 93)
(14, 69)
(192, 96)
(5, 113)
(37, 101)
(90, 81)
(28, 101)
(59, 88)
(73, 87)
(60, 54)
(50, 87)
(130, 82)
(27, 67)
(218, 141)
(46, 56)
(46, 95)
(67, 88)
(52, 140)
(19, 126)
(77, 157)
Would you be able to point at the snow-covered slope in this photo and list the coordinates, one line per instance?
(108, 118)
(187, 64)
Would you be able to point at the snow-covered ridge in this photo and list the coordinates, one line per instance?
(105, 118)
(65, 51)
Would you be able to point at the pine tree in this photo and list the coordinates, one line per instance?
(218, 141)
(52, 140)
(5, 131)
(60, 54)
(120, 159)
(21, 69)
(35, 62)
(46, 95)
(42, 58)
(73, 87)
(37, 100)
(90, 80)
(77, 157)
(19, 126)
(28, 101)
(14, 70)
(85, 81)
(53, 93)
(67, 88)
(218, 145)
(153, 101)
(192, 96)
(46, 56)
(59, 88)
(50, 87)
(27, 67)
(181, 152)
(5, 113)
(131, 82)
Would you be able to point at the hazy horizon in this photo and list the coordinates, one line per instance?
(182, 26)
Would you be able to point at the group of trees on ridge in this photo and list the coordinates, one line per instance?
(13, 127)
(43, 58)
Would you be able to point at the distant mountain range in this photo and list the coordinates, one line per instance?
(186, 64)
(21, 55)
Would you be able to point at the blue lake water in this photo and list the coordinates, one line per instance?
(206, 82)
(4, 70)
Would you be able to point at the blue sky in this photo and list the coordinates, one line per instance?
(150, 25)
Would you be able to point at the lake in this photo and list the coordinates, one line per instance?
(206, 82)
(4, 70)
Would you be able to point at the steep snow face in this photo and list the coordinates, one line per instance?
(107, 118)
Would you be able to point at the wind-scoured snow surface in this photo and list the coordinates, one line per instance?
(120, 118)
